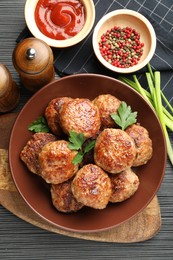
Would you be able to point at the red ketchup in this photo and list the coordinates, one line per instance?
(60, 19)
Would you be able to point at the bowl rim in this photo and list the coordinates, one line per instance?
(29, 102)
(30, 22)
(138, 16)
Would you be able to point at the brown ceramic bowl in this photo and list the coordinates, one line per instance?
(36, 193)
(124, 18)
(30, 6)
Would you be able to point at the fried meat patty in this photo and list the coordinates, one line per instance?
(114, 150)
(63, 199)
(91, 186)
(124, 185)
(107, 104)
(52, 114)
(142, 142)
(55, 161)
(80, 115)
(29, 154)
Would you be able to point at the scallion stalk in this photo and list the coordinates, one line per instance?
(140, 89)
(163, 96)
(152, 89)
(154, 96)
(167, 116)
(150, 71)
(167, 102)
(160, 114)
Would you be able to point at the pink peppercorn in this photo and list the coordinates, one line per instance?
(120, 52)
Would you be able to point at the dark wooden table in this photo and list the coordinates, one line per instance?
(21, 240)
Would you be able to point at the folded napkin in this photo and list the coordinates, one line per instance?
(81, 58)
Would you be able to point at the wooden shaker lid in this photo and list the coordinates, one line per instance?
(31, 56)
(5, 77)
(9, 91)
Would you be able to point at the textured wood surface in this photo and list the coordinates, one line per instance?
(141, 227)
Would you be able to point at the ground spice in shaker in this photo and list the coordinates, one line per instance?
(9, 91)
(33, 60)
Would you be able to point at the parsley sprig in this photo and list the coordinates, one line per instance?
(39, 125)
(76, 143)
(124, 117)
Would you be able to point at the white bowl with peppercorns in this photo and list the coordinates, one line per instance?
(124, 41)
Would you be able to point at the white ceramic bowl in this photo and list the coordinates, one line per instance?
(124, 18)
(30, 6)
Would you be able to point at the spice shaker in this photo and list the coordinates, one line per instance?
(33, 60)
(9, 91)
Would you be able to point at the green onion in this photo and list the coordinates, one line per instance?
(154, 97)
(160, 114)
(167, 102)
(150, 71)
(140, 89)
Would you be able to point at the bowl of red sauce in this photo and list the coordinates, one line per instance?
(124, 41)
(60, 23)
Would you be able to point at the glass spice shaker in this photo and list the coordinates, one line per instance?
(9, 91)
(33, 60)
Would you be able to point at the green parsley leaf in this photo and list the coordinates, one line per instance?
(39, 125)
(76, 140)
(78, 158)
(124, 117)
(89, 146)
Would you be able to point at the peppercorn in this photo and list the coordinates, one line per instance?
(121, 47)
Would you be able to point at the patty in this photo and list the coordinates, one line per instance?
(55, 161)
(114, 150)
(142, 142)
(81, 116)
(29, 154)
(107, 104)
(124, 185)
(91, 186)
(63, 199)
(52, 114)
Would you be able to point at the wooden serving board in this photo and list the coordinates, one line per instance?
(141, 227)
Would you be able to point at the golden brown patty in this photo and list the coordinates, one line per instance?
(56, 162)
(80, 115)
(114, 150)
(29, 154)
(52, 114)
(124, 185)
(143, 144)
(92, 187)
(107, 104)
(63, 199)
